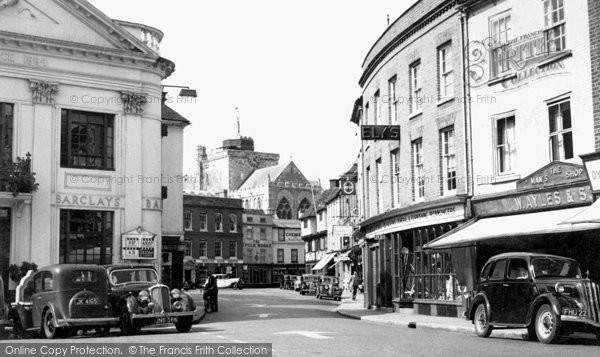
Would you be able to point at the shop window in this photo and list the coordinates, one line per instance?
(6, 132)
(202, 248)
(87, 140)
(445, 73)
(506, 153)
(201, 275)
(554, 25)
(232, 223)
(232, 249)
(294, 255)
(86, 237)
(218, 222)
(218, 248)
(187, 220)
(416, 92)
(392, 101)
(500, 35)
(418, 171)
(187, 248)
(561, 131)
(448, 160)
(280, 256)
(203, 222)
(284, 210)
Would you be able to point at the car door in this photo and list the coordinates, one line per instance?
(494, 288)
(518, 291)
(37, 299)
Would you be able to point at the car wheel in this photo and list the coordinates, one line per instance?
(531, 334)
(547, 325)
(49, 329)
(234, 286)
(481, 322)
(184, 324)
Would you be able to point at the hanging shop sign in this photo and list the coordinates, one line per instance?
(554, 174)
(380, 132)
(138, 244)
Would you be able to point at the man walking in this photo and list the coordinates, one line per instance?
(354, 282)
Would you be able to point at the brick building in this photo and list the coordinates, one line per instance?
(213, 236)
(413, 189)
(594, 19)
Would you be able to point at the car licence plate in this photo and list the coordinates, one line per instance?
(569, 311)
(165, 320)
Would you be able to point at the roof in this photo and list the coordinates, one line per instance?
(262, 176)
(212, 201)
(170, 115)
(327, 196)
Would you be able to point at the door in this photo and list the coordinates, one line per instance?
(518, 292)
(494, 290)
(37, 299)
(374, 298)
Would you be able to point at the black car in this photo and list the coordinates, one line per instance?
(546, 294)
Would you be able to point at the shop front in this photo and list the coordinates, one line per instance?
(398, 272)
(540, 215)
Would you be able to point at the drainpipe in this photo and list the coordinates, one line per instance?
(464, 21)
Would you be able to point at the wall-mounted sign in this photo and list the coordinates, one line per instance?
(152, 204)
(75, 200)
(343, 231)
(138, 244)
(592, 168)
(554, 174)
(348, 187)
(380, 132)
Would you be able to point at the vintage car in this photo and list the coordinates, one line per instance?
(62, 298)
(309, 284)
(329, 288)
(138, 299)
(4, 320)
(224, 281)
(288, 282)
(544, 293)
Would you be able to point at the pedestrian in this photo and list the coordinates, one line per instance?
(354, 282)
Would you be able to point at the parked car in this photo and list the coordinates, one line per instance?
(4, 320)
(309, 284)
(224, 281)
(138, 299)
(62, 298)
(329, 288)
(544, 293)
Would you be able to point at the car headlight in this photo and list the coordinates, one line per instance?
(175, 293)
(559, 288)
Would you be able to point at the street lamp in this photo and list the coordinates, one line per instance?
(185, 91)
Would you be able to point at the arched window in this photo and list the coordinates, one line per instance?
(284, 210)
(259, 204)
(303, 206)
(232, 223)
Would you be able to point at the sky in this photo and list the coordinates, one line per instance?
(291, 67)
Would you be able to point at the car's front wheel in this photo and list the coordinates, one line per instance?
(482, 322)
(184, 324)
(547, 325)
(234, 286)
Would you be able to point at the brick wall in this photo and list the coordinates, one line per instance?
(594, 18)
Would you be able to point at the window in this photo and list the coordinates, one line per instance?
(86, 237)
(505, 145)
(232, 249)
(500, 34)
(187, 248)
(395, 159)
(303, 206)
(498, 271)
(448, 160)
(281, 235)
(517, 269)
(232, 223)
(446, 75)
(379, 193)
(187, 220)
(366, 112)
(554, 25)
(249, 219)
(416, 99)
(262, 256)
(249, 232)
(377, 112)
(87, 140)
(6, 132)
(561, 132)
(202, 248)
(294, 255)
(203, 222)
(43, 281)
(263, 220)
(367, 184)
(320, 216)
(284, 210)
(279, 255)
(218, 248)
(392, 101)
(305, 223)
(263, 233)
(218, 222)
(418, 172)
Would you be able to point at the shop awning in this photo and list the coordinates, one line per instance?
(590, 214)
(477, 230)
(323, 262)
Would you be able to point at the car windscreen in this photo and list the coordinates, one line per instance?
(125, 276)
(555, 267)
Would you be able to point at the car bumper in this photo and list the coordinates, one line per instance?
(101, 321)
(579, 319)
(163, 315)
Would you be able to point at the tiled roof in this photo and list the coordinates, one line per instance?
(168, 114)
(260, 177)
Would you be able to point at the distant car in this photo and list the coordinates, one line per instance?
(62, 298)
(138, 299)
(544, 293)
(224, 281)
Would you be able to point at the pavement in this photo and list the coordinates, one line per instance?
(407, 318)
